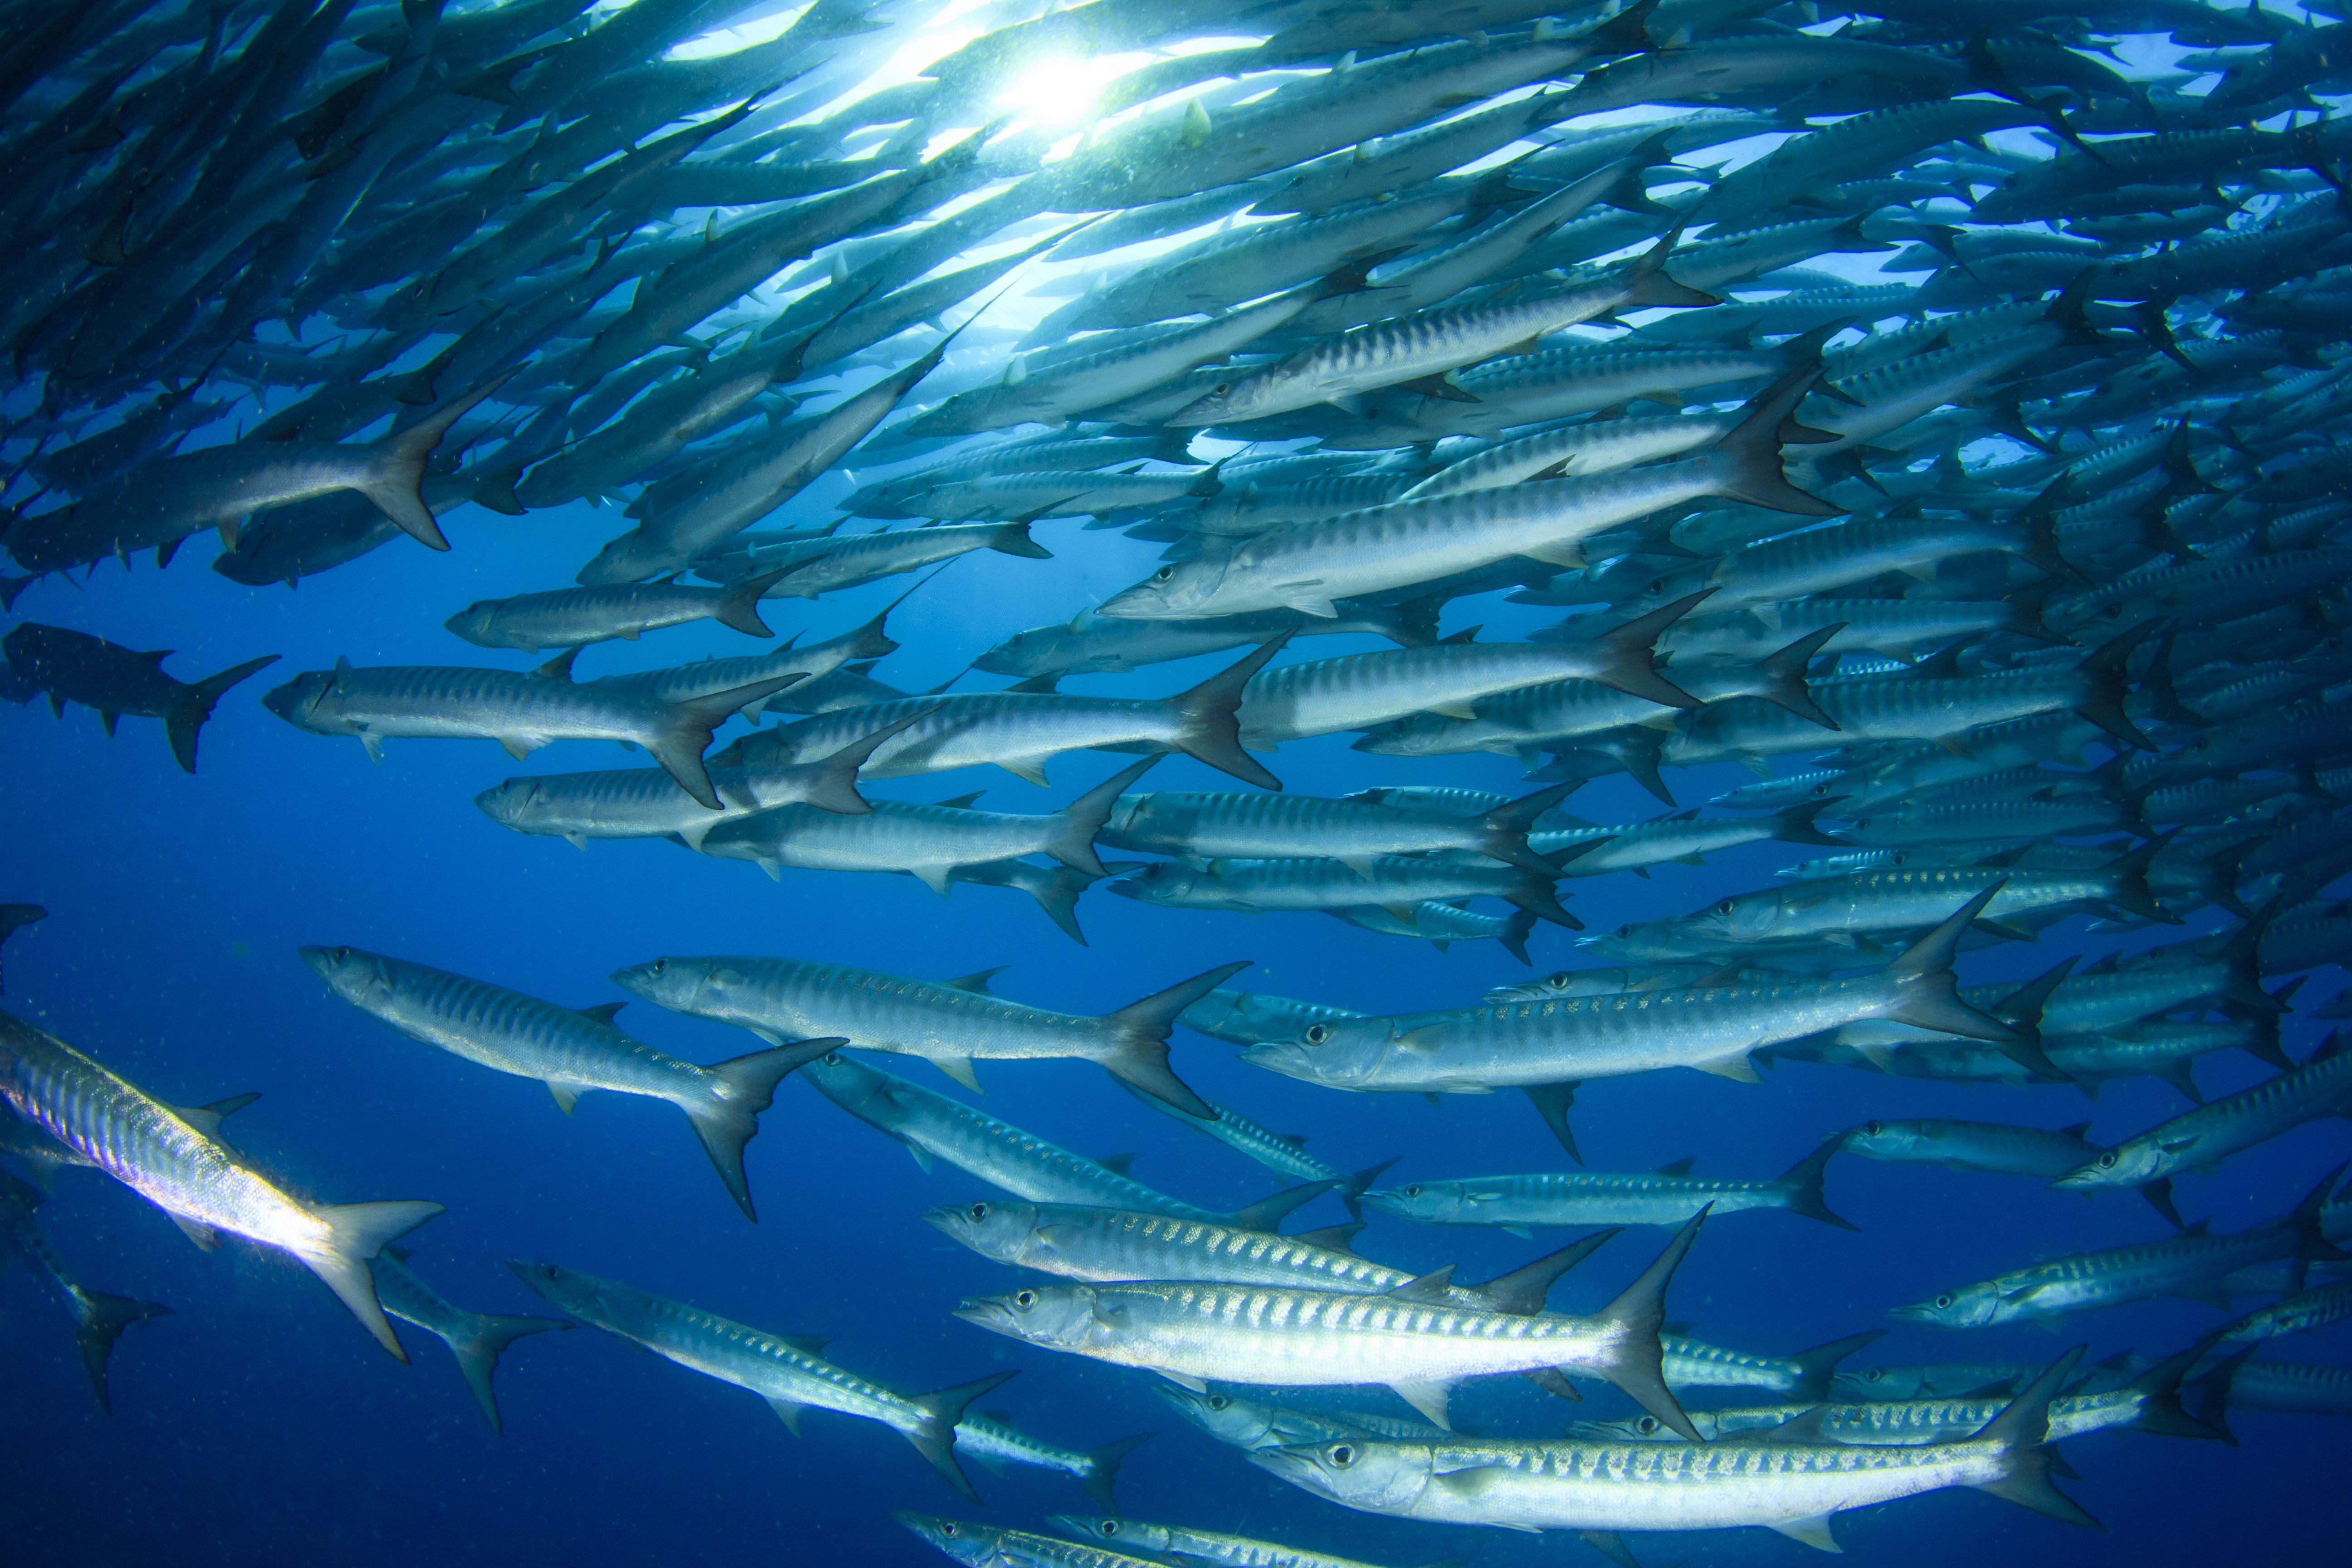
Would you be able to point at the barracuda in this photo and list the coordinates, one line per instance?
(708, 677)
(1994, 1147)
(1290, 1337)
(1356, 833)
(1101, 1244)
(929, 842)
(1668, 1195)
(1593, 447)
(1431, 343)
(98, 1318)
(1309, 565)
(568, 618)
(1392, 882)
(1793, 1480)
(1243, 511)
(475, 1338)
(1284, 1152)
(1680, 838)
(1807, 1375)
(949, 1024)
(1246, 1017)
(993, 1546)
(646, 803)
(1713, 1028)
(2148, 1402)
(932, 1126)
(2319, 1088)
(1364, 690)
(832, 565)
(1033, 497)
(2187, 1265)
(1092, 645)
(520, 712)
(1021, 731)
(785, 1369)
(1200, 1545)
(166, 1158)
(1242, 1423)
(2301, 1313)
(1802, 565)
(569, 1051)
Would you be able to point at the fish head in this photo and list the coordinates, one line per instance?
(1640, 941)
(353, 974)
(302, 702)
(1117, 1534)
(1239, 1422)
(1630, 1429)
(2129, 1166)
(1038, 651)
(1422, 735)
(1059, 1317)
(1881, 1383)
(976, 1545)
(1178, 591)
(513, 804)
(707, 987)
(1233, 398)
(1166, 882)
(632, 558)
(1338, 1052)
(1431, 1202)
(1887, 1140)
(1743, 917)
(1974, 1306)
(989, 1227)
(1372, 1477)
(476, 623)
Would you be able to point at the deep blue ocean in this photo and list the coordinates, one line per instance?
(259, 1424)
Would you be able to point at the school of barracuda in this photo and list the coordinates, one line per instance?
(1936, 407)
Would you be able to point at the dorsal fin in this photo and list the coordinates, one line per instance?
(1430, 1288)
(977, 980)
(2077, 1131)
(1117, 1164)
(1681, 1167)
(602, 1012)
(1467, 634)
(962, 802)
(1332, 1237)
(1808, 1428)
(560, 667)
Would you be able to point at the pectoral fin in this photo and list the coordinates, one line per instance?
(1428, 1396)
(959, 1070)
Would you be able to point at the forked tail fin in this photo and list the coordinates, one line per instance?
(935, 1437)
(678, 748)
(99, 1319)
(1753, 449)
(395, 469)
(477, 1353)
(355, 1234)
(1817, 1367)
(1210, 712)
(1141, 1057)
(2022, 1432)
(1639, 1367)
(1927, 997)
(1076, 824)
(730, 1118)
(194, 704)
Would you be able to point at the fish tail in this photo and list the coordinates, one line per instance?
(935, 1437)
(1517, 926)
(1412, 623)
(740, 608)
(356, 1233)
(836, 788)
(2161, 1411)
(725, 1122)
(1141, 1055)
(1794, 825)
(2021, 1010)
(1073, 843)
(678, 748)
(477, 1353)
(1639, 1367)
(1927, 995)
(99, 1319)
(1784, 686)
(398, 470)
(194, 705)
(2106, 672)
(1504, 830)
(1647, 284)
(2126, 877)
(1753, 447)
(1210, 714)
(1099, 1468)
(2021, 1432)
(1553, 1101)
(1534, 892)
(1631, 655)
(1805, 1194)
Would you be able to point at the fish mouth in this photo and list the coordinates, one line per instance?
(1131, 888)
(1279, 1057)
(1293, 1465)
(2075, 1181)
(986, 1314)
(324, 967)
(1917, 1313)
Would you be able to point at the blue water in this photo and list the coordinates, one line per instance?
(259, 1424)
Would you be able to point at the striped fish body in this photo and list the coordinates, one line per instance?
(1903, 1422)
(1593, 447)
(1695, 1363)
(1361, 691)
(895, 835)
(1287, 1337)
(2319, 1089)
(518, 709)
(2292, 1388)
(934, 1127)
(567, 617)
(636, 803)
(1020, 731)
(1212, 825)
(1516, 723)
(1257, 885)
(1889, 902)
(1202, 1545)
(1247, 1017)
(1120, 1245)
(1242, 1423)
(1576, 1198)
(1281, 1152)
(2186, 1265)
(145, 1146)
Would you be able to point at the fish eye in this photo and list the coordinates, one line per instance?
(1626, 930)
(977, 1211)
(657, 966)
(1724, 908)
(1875, 1129)
(833, 1059)
(341, 955)
(1025, 1300)
(2107, 1161)
(1341, 1455)
(1108, 1527)
(1219, 1400)
(1414, 1190)
(1646, 1425)
(1821, 789)
(1945, 1300)
(1164, 574)
(1221, 388)
(950, 1527)
(1315, 1034)
(1557, 977)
